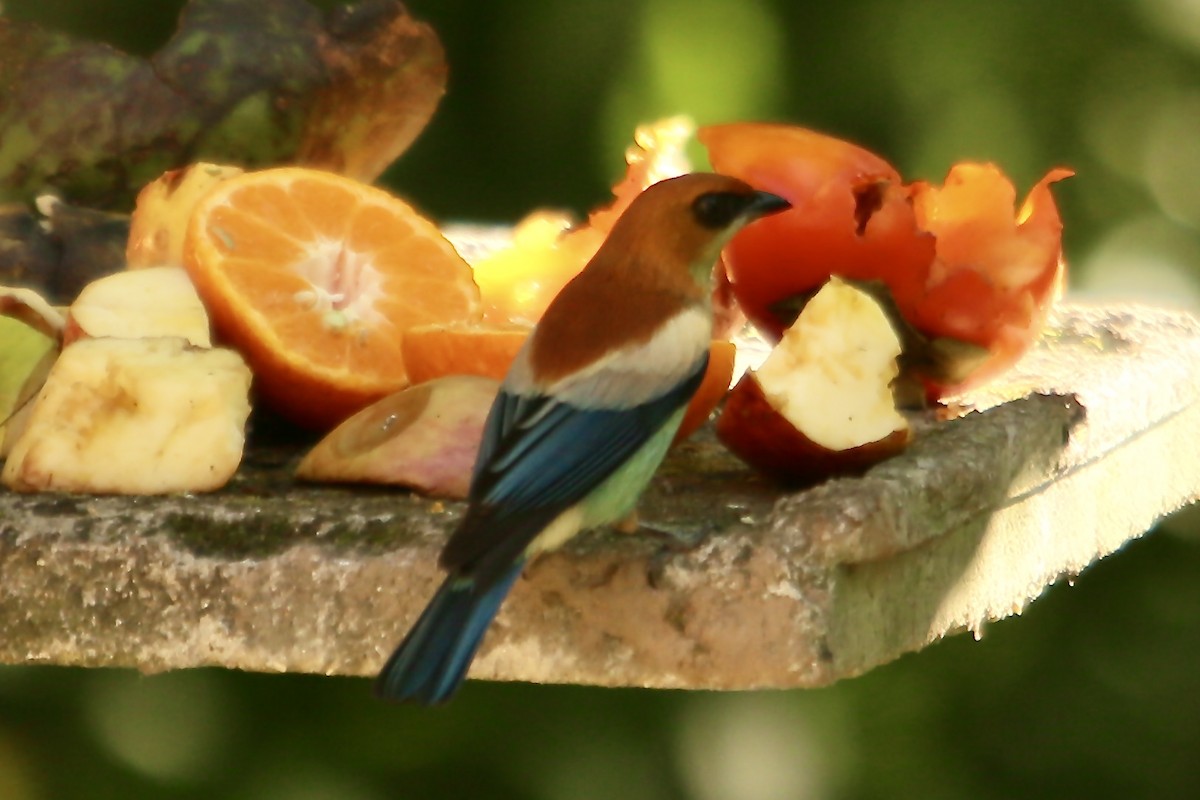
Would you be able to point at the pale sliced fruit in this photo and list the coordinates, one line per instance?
(425, 437)
(30, 308)
(134, 416)
(151, 302)
(822, 402)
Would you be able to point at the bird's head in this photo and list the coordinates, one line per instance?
(654, 268)
(681, 224)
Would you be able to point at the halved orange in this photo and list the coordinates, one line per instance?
(435, 351)
(315, 278)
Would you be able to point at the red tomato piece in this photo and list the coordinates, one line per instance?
(960, 261)
(851, 217)
(997, 271)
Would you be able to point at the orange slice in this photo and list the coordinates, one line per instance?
(315, 278)
(712, 390)
(434, 352)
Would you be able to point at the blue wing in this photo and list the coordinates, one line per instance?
(539, 457)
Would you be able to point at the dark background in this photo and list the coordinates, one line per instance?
(1094, 692)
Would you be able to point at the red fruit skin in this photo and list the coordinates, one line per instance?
(960, 261)
(850, 216)
(764, 439)
(997, 271)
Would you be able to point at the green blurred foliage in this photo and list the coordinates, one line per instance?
(1093, 692)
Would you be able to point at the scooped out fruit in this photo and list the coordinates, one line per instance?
(969, 272)
(821, 404)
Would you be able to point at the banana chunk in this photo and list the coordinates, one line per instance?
(134, 416)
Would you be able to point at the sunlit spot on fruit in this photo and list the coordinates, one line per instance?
(225, 237)
(526, 292)
(336, 320)
(713, 60)
(317, 298)
(173, 727)
(1147, 259)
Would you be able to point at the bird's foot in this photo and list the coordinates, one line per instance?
(674, 540)
(629, 524)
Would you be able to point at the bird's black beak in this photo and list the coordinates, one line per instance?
(764, 203)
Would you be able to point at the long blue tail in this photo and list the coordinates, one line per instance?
(432, 661)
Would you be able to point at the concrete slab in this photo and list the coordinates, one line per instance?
(1082, 448)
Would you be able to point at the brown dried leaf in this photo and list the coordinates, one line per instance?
(387, 74)
(61, 249)
(248, 83)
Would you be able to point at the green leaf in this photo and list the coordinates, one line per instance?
(25, 356)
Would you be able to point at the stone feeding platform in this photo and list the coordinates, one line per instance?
(1089, 442)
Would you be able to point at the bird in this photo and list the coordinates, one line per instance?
(584, 416)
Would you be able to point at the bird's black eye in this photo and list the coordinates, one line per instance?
(716, 210)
